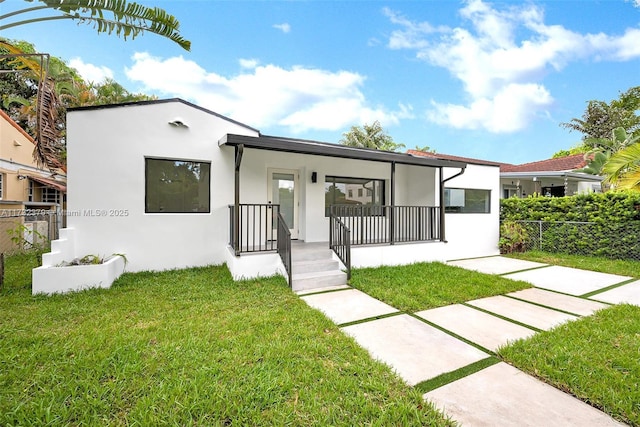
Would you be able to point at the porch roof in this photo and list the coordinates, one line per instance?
(302, 146)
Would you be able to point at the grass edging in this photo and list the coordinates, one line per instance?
(449, 377)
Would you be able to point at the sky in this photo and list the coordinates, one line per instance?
(479, 79)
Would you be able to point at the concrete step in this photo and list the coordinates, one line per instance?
(318, 280)
(329, 264)
(310, 254)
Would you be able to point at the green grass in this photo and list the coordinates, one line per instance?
(595, 358)
(603, 265)
(422, 286)
(187, 347)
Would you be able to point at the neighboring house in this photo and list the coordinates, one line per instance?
(552, 177)
(25, 189)
(171, 185)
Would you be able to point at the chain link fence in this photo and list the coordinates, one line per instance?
(620, 240)
(24, 229)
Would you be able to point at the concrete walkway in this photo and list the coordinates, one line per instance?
(421, 346)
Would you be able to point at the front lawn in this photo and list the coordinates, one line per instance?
(188, 347)
(421, 286)
(596, 358)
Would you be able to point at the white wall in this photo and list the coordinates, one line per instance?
(106, 163)
(471, 235)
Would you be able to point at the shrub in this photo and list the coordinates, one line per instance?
(513, 237)
(600, 224)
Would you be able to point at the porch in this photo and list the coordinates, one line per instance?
(261, 228)
(349, 198)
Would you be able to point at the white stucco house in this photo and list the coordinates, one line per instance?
(171, 185)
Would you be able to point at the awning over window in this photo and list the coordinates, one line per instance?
(60, 186)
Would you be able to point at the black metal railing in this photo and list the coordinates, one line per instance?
(389, 224)
(284, 245)
(340, 241)
(254, 230)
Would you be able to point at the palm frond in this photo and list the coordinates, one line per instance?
(623, 165)
(127, 20)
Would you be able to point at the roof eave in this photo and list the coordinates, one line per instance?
(316, 148)
(555, 174)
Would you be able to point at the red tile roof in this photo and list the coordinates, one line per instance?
(450, 157)
(567, 163)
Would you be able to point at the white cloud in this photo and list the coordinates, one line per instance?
(285, 28)
(90, 72)
(509, 110)
(249, 63)
(298, 98)
(501, 58)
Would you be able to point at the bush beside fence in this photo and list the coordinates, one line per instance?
(597, 224)
(620, 240)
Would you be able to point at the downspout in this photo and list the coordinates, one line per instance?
(393, 203)
(442, 213)
(239, 149)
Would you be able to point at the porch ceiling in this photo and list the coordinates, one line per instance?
(302, 146)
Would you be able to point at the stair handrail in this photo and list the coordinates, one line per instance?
(340, 241)
(284, 245)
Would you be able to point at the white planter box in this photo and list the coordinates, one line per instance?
(51, 280)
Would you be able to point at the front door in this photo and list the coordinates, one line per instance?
(283, 190)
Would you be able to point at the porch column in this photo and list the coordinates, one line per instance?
(239, 149)
(393, 203)
(442, 234)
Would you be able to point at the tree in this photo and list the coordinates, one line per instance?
(623, 168)
(602, 149)
(125, 19)
(601, 118)
(370, 136)
(65, 88)
(426, 149)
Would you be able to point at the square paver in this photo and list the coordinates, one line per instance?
(523, 312)
(568, 280)
(629, 293)
(476, 326)
(495, 264)
(415, 350)
(575, 305)
(501, 395)
(348, 305)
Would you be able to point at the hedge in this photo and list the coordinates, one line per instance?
(613, 230)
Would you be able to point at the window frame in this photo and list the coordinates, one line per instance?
(147, 209)
(448, 208)
(382, 195)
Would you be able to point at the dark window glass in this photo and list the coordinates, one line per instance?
(177, 186)
(465, 200)
(353, 191)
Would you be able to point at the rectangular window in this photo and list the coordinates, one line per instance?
(1, 186)
(177, 186)
(50, 195)
(465, 200)
(340, 191)
(30, 192)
